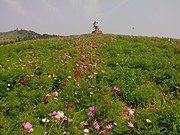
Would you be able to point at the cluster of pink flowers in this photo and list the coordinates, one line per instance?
(96, 124)
(92, 109)
(130, 114)
(54, 94)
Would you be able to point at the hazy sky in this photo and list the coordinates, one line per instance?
(71, 17)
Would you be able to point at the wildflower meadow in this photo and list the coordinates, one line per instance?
(90, 85)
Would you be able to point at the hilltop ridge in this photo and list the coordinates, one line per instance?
(21, 35)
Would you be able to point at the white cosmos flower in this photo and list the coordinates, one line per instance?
(86, 131)
(45, 120)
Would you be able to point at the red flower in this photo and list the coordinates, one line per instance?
(105, 101)
(22, 81)
(66, 80)
(91, 71)
(83, 86)
(77, 74)
(67, 105)
(45, 100)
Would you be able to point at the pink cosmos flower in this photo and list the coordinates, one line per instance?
(27, 126)
(90, 114)
(84, 123)
(48, 95)
(77, 83)
(65, 133)
(92, 108)
(76, 101)
(55, 93)
(103, 71)
(52, 114)
(59, 115)
(65, 118)
(3, 105)
(90, 76)
(96, 125)
(116, 88)
(90, 64)
(77, 65)
(103, 131)
(70, 120)
(131, 125)
(83, 56)
(131, 111)
(27, 76)
(107, 88)
(55, 98)
(32, 75)
(45, 133)
(109, 126)
(95, 73)
(105, 120)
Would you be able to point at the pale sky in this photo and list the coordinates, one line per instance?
(73, 17)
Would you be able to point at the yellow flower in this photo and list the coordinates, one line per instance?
(148, 120)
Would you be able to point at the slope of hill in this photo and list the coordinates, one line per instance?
(90, 84)
(19, 35)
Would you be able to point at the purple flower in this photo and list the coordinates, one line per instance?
(116, 88)
(92, 108)
(96, 125)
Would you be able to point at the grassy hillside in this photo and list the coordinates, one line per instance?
(19, 35)
(90, 84)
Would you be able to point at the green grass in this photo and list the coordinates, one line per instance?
(145, 69)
